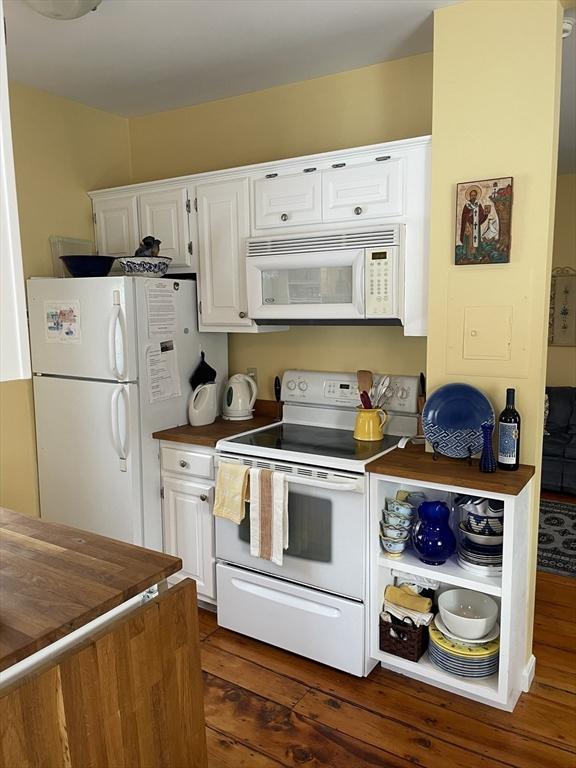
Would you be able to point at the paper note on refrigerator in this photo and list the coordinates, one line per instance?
(161, 305)
(162, 371)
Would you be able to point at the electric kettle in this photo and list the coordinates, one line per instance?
(239, 398)
(203, 405)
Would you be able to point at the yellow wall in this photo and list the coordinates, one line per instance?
(387, 101)
(561, 369)
(61, 150)
(496, 98)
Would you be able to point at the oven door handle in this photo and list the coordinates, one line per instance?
(354, 484)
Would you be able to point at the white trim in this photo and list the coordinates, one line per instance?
(15, 361)
(528, 673)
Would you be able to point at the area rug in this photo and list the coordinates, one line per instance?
(557, 538)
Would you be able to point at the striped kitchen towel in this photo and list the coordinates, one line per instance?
(268, 514)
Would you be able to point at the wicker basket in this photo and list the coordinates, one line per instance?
(403, 640)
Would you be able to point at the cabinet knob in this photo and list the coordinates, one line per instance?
(357, 210)
(203, 497)
(242, 314)
(183, 463)
(284, 217)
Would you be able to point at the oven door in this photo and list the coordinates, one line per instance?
(322, 285)
(327, 530)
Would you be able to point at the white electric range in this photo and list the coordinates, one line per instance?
(314, 603)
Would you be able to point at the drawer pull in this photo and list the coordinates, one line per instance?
(382, 157)
(271, 175)
(284, 217)
(183, 463)
(283, 598)
(309, 170)
(203, 497)
(357, 210)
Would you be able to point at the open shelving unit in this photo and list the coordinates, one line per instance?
(510, 588)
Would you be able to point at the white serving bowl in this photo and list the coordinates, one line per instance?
(467, 613)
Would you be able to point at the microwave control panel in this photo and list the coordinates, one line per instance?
(381, 293)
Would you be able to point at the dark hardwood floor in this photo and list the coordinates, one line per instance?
(267, 708)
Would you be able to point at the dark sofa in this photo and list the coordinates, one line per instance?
(559, 450)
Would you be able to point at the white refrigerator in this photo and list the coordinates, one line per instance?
(111, 359)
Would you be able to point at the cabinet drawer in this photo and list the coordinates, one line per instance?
(287, 201)
(305, 621)
(187, 462)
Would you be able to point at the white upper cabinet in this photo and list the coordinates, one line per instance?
(223, 225)
(116, 224)
(164, 213)
(358, 192)
(287, 201)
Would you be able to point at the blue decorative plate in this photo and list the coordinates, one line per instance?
(452, 419)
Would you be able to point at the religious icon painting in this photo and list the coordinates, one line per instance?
(483, 218)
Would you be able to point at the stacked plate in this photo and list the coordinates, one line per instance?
(482, 559)
(480, 549)
(466, 658)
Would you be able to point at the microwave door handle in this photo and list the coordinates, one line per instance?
(359, 287)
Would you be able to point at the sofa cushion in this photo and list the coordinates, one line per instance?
(554, 446)
(562, 400)
(552, 470)
(570, 450)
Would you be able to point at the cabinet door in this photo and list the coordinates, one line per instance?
(223, 225)
(286, 201)
(116, 224)
(189, 530)
(363, 192)
(164, 214)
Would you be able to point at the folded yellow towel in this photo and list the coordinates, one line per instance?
(406, 598)
(231, 492)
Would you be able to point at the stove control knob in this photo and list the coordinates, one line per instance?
(302, 386)
(291, 385)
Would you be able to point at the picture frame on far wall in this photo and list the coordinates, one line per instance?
(483, 221)
(562, 321)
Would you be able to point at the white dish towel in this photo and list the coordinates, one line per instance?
(268, 514)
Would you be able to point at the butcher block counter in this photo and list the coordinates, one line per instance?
(414, 463)
(92, 674)
(266, 412)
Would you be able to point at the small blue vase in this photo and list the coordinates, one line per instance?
(432, 536)
(487, 458)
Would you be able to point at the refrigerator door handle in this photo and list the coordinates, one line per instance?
(116, 318)
(121, 450)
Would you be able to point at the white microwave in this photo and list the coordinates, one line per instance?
(339, 277)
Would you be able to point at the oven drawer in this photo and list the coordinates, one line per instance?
(311, 623)
(187, 462)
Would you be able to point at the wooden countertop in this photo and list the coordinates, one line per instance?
(211, 433)
(55, 579)
(414, 463)
(266, 412)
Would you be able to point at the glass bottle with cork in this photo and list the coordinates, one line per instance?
(509, 435)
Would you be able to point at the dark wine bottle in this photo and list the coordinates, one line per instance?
(509, 435)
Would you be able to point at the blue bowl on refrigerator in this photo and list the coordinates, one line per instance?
(88, 266)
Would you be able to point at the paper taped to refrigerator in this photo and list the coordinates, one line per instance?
(162, 371)
(161, 305)
(62, 321)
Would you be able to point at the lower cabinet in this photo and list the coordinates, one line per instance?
(189, 529)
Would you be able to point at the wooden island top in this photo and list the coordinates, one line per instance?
(54, 579)
(414, 463)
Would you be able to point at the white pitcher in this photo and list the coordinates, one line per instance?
(203, 405)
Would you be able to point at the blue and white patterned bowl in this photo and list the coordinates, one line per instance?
(144, 266)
